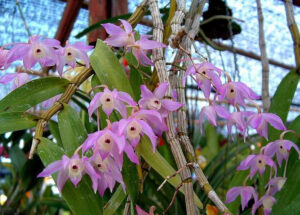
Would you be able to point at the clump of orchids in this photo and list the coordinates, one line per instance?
(101, 154)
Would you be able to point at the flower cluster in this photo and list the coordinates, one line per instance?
(207, 76)
(46, 52)
(107, 146)
(257, 163)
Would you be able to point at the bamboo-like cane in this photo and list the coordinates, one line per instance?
(294, 31)
(192, 27)
(64, 99)
(160, 66)
(177, 19)
(266, 101)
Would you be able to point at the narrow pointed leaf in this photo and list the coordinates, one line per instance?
(115, 201)
(108, 68)
(73, 132)
(15, 121)
(33, 93)
(282, 100)
(161, 166)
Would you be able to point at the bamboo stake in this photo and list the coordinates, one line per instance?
(160, 66)
(266, 101)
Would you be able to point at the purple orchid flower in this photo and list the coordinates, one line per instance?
(51, 101)
(205, 74)
(236, 93)
(110, 100)
(36, 50)
(140, 48)
(137, 125)
(281, 148)
(238, 118)
(276, 184)
(73, 168)
(108, 142)
(140, 211)
(108, 171)
(211, 113)
(267, 202)
(18, 79)
(154, 119)
(70, 53)
(257, 163)
(155, 101)
(119, 37)
(259, 121)
(246, 192)
(3, 56)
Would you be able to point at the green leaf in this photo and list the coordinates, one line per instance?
(81, 200)
(14, 121)
(282, 100)
(289, 192)
(33, 93)
(295, 126)
(161, 166)
(212, 139)
(108, 68)
(73, 132)
(53, 127)
(130, 178)
(115, 201)
(17, 157)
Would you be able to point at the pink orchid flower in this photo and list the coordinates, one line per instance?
(140, 211)
(3, 56)
(36, 50)
(140, 48)
(259, 121)
(238, 118)
(125, 38)
(281, 148)
(108, 171)
(211, 113)
(18, 79)
(154, 119)
(276, 184)
(236, 93)
(156, 101)
(119, 37)
(70, 53)
(110, 100)
(108, 142)
(267, 202)
(206, 74)
(246, 192)
(73, 168)
(135, 126)
(257, 163)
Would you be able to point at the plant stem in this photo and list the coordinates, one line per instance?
(57, 106)
(160, 66)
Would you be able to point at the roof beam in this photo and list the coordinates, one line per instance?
(68, 19)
